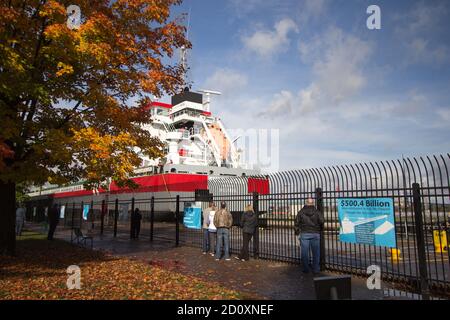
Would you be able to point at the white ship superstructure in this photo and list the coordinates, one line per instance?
(196, 140)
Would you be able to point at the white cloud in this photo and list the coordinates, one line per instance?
(359, 130)
(422, 18)
(421, 51)
(248, 8)
(444, 114)
(416, 29)
(339, 71)
(267, 43)
(226, 81)
(338, 62)
(311, 9)
(312, 156)
(281, 104)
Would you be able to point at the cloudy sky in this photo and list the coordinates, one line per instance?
(336, 91)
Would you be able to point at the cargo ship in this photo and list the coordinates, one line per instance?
(198, 149)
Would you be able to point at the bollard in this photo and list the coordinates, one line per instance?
(395, 255)
(440, 241)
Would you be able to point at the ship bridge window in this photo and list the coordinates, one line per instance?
(159, 112)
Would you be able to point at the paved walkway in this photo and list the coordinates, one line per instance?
(258, 278)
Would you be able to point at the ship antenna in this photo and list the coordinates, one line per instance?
(208, 94)
(183, 53)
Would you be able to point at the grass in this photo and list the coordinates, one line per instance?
(39, 271)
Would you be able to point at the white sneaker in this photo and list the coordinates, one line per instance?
(204, 252)
(227, 259)
(217, 259)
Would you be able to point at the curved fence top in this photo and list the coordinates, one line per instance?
(431, 172)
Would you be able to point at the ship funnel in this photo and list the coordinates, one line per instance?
(208, 94)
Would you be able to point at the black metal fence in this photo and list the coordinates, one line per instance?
(419, 188)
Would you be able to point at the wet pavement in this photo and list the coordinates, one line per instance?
(257, 279)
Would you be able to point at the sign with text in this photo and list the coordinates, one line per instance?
(123, 211)
(367, 221)
(193, 217)
(86, 208)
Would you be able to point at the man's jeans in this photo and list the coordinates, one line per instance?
(310, 241)
(206, 240)
(223, 239)
(19, 226)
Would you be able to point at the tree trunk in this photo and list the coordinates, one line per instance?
(7, 218)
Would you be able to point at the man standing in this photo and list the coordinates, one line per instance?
(223, 220)
(136, 218)
(20, 219)
(53, 219)
(308, 225)
(205, 227)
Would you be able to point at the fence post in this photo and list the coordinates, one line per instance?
(177, 225)
(152, 216)
(420, 240)
(103, 212)
(116, 215)
(256, 236)
(131, 219)
(71, 228)
(66, 209)
(81, 214)
(319, 203)
(92, 215)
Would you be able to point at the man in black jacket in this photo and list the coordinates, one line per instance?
(308, 224)
(249, 224)
(136, 218)
(53, 219)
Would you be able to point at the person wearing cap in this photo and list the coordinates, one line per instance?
(223, 220)
(308, 225)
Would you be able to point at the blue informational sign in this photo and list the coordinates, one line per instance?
(85, 211)
(367, 221)
(192, 217)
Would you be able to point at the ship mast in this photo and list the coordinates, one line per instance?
(183, 50)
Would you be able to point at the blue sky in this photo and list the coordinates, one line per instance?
(336, 91)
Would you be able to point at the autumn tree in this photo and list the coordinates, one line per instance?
(65, 93)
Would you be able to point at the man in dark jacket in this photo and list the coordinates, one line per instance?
(223, 220)
(308, 224)
(136, 218)
(53, 219)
